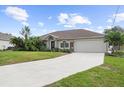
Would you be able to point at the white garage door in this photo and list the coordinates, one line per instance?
(89, 45)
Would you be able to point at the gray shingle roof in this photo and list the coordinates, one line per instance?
(5, 36)
(75, 33)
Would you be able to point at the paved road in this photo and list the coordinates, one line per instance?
(43, 72)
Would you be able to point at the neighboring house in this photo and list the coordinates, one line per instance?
(5, 40)
(78, 40)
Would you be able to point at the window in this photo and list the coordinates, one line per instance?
(71, 44)
(64, 44)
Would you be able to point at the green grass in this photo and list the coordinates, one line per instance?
(110, 74)
(12, 57)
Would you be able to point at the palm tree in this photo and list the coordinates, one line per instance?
(25, 32)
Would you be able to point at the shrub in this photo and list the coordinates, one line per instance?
(32, 44)
(44, 48)
(17, 42)
(65, 50)
(55, 50)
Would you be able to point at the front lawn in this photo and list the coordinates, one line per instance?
(111, 73)
(11, 57)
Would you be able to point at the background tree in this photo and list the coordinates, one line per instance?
(116, 29)
(115, 37)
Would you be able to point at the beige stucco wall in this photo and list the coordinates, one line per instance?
(122, 47)
(90, 45)
(4, 44)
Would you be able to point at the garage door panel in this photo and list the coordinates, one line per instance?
(93, 45)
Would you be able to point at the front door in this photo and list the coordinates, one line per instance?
(52, 44)
(72, 46)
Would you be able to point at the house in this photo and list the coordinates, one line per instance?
(78, 40)
(5, 40)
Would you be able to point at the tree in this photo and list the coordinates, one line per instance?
(35, 44)
(28, 43)
(115, 37)
(116, 29)
(25, 32)
(17, 42)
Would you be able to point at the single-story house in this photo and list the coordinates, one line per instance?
(78, 40)
(5, 40)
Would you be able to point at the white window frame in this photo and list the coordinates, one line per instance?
(64, 44)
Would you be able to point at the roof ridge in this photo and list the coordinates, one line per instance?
(75, 30)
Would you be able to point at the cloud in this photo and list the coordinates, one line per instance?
(109, 20)
(33, 29)
(50, 17)
(71, 20)
(63, 18)
(46, 31)
(119, 17)
(108, 27)
(69, 25)
(91, 29)
(25, 24)
(41, 24)
(98, 29)
(17, 13)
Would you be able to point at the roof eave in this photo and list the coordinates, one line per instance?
(93, 37)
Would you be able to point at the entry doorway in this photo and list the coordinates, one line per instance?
(52, 44)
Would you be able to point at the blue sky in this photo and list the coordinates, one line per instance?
(44, 19)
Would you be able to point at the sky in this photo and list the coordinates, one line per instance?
(44, 19)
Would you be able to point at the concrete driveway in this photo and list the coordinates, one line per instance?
(43, 72)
